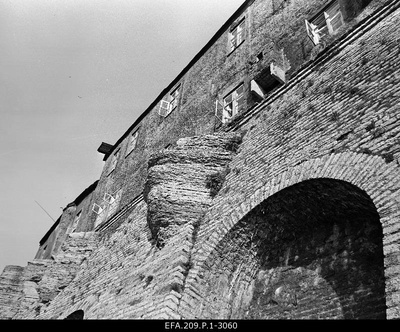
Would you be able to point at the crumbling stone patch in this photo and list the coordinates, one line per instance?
(182, 181)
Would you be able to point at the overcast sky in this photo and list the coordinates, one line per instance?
(75, 73)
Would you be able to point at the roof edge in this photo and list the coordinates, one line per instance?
(202, 51)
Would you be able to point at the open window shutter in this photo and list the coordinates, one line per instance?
(256, 90)
(229, 105)
(219, 110)
(233, 36)
(328, 23)
(164, 108)
(278, 73)
(101, 213)
(74, 225)
(114, 204)
(334, 22)
(132, 142)
(114, 161)
(312, 32)
(97, 208)
(241, 32)
(108, 198)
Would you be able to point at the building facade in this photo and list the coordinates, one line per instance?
(263, 182)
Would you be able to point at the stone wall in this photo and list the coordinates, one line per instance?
(312, 250)
(339, 120)
(58, 233)
(139, 270)
(26, 291)
(272, 27)
(299, 218)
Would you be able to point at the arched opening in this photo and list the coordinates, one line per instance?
(76, 315)
(311, 251)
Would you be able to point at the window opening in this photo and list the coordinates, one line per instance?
(232, 104)
(108, 198)
(114, 161)
(267, 81)
(132, 142)
(174, 99)
(327, 22)
(236, 36)
(75, 223)
(108, 206)
(169, 104)
(97, 208)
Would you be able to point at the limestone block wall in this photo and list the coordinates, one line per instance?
(26, 291)
(139, 271)
(180, 180)
(339, 121)
(58, 233)
(11, 290)
(311, 251)
(272, 27)
(303, 211)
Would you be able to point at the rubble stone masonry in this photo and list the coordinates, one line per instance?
(291, 211)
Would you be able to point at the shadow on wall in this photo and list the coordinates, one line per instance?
(311, 251)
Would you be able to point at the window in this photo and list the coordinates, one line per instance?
(132, 142)
(114, 161)
(326, 22)
(169, 104)
(97, 208)
(232, 104)
(267, 81)
(174, 99)
(75, 223)
(236, 36)
(108, 198)
(108, 207)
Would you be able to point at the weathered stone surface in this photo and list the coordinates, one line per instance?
(11, 290)
(305, 223)
(291, 259)
(26, 290)
(180, 180)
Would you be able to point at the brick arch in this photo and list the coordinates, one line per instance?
(76, 315)
(380, 181)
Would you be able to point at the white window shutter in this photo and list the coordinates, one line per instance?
(74, 225)
(164, 108)
(219, 111)
(278, 73)
(328, 23)
(241, 31)
(256, 89)
(338, 20)
(309, 29)
(312, 32)
(114, 203)
(334, 22)
(97, 208)
(108, 198)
